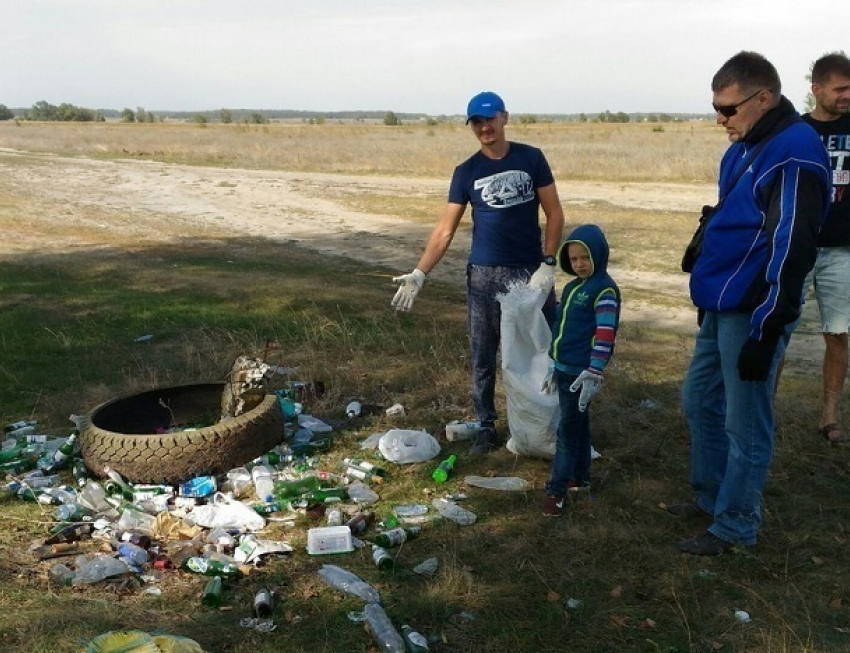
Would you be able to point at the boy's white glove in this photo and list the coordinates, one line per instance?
(543, 278)
(550, 385)
(410, 286)
(590, 383)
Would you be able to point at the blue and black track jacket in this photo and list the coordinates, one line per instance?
(761, 243)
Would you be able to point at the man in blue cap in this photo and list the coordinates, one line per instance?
(506, 183)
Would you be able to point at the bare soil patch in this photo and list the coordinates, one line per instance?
(78, 202)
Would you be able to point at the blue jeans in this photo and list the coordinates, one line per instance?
(484, 313)
(572, 449)
(731, 427)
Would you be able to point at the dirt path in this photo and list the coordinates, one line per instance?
(149, 201)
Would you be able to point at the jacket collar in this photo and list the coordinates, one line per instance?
(773, 122)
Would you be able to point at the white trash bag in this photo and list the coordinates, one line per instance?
(532, 415)
(402, 446)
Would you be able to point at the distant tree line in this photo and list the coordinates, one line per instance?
(68, 112)
(64, 112)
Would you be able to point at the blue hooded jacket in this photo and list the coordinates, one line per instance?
(574, 346)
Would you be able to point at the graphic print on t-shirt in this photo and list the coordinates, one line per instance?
(506, 188)
(839, 148)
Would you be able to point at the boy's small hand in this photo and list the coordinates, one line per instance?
(589, 382)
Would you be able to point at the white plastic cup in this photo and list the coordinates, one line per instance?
(457, 430)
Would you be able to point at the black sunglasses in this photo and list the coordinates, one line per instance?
(729, 110)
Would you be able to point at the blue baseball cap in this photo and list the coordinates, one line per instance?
(486, 105)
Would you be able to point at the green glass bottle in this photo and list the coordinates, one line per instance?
(209, 567)
(441, 474)
(212, 593)
(396, 536)
(296, 488)
(80, 472)
(382, 558)
(326, 494)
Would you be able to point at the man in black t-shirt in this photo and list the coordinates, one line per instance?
(831, 120)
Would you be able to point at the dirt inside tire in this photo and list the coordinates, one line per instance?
(127, 434)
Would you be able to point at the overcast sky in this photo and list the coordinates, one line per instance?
(431, 56)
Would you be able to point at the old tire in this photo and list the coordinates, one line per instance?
(123, 434)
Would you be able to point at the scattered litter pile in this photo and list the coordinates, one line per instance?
(112, 530)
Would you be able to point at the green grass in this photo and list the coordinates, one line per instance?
(68, 323)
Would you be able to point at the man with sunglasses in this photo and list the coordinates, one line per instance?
(506, 183)
(758, 247)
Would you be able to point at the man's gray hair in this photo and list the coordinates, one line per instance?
(751, 72)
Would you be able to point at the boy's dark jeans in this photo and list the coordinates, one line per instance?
(572, 450)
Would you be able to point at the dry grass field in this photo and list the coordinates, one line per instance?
(217, 239)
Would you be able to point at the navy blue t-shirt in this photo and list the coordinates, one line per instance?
(503, 195)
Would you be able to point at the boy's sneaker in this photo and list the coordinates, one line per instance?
(573, 486)
(484, 441)
(553, 506)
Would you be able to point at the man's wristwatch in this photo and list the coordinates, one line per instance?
(549, 260)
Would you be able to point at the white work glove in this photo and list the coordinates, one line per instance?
(543, 278)
(550, 385)
(410, 286)
(590, 383)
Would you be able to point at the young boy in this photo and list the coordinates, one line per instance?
(582, 343)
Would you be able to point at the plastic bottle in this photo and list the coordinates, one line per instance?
(334, 517)
(74, 512)
(458, 430)
(14, 426)
(411, 510)
(198, 487)
(60, 574)
(362, 494)
(94, 496)
(396, 536)
(444, 469)
(414, 641)
(505, 483)
(133, 519)
(382, 558)
(345, 581)
(98, 568)
(264, 485)
(263, 604)
(240, 481)
(384, 633)
(211, 596)
(353, 409)
(135, 554)
(453, 512)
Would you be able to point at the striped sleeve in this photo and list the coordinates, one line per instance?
(607, 309)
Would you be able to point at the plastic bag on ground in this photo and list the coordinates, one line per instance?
(224, 512)
(346, 581)
(402, 446)
(507, 483)
(532, 415)
(314, 424)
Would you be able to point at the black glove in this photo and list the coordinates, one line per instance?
(755, 358)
